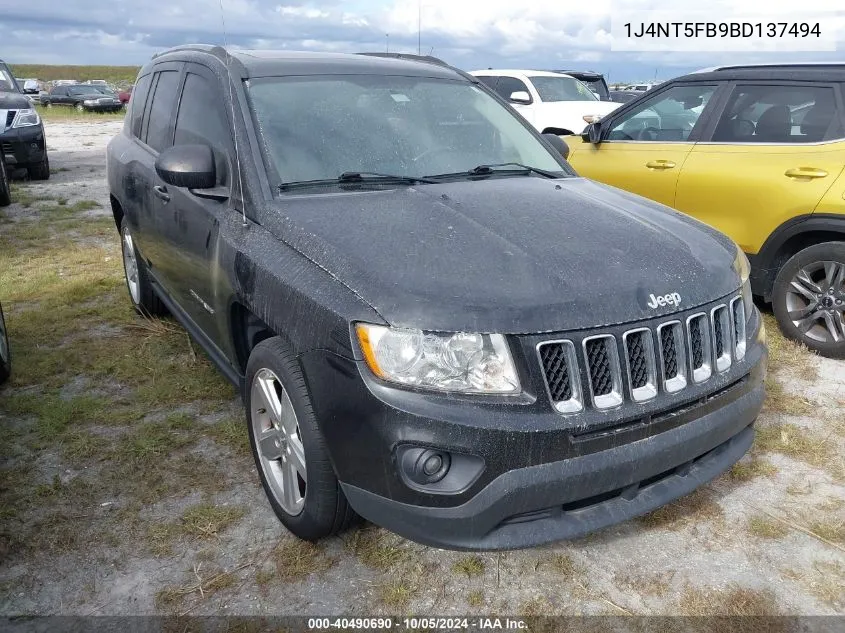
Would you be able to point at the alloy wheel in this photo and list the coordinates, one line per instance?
(130, 266)
(815, 301)
(278, 441)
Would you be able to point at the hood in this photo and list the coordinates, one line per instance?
(14, 101)
(511, 254)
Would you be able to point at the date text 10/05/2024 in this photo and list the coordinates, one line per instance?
(423, 623)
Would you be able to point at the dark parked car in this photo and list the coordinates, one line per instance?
(22, 141)
(595, 81)
(5, 191)
(624, 96)
(5, 353)
(83, 97)
(434, 323)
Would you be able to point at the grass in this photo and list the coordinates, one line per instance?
(801, 444)
(475, 598)
(750, 468)
(232, 433)
(766, 528)
(697, 507)
(644, 584)
(788, 355)
(49, 72)
(564, 566)
(64, 113)
(207, 521)
(733, 600)
(395, 593)
(471, 565)
(376, 548)
(296, 560)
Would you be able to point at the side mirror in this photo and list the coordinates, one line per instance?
(521, 97)
(592, 134)
(559, 144)
(190, 166)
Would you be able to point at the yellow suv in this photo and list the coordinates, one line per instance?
(758, 152)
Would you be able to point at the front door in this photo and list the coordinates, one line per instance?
(644, 148)
(192, 219)
(770, 157)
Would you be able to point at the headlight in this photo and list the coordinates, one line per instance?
(743, 269)
(461, 362)
(26, 118)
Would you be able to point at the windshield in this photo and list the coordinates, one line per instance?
(319, 127)
(562, 89)
(7, 84)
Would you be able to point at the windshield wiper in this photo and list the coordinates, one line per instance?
(497, 168)
(355, 177)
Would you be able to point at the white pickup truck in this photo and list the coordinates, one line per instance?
(551, 102)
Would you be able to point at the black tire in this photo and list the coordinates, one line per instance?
(325, 510)
(821, 297)
(5, 192)
(5, 350)
(40, 171)
(144, 299)
(47, 104)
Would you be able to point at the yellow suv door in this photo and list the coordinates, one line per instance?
(645, 148)
(763, 161)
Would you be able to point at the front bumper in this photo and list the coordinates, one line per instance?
(23, 146)
(546, 477)
(114, 107)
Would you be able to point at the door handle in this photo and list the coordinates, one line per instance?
(805, 172)
(660, 164)
(161, 192)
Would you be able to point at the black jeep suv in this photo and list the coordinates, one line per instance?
(434, 322)
(22, 140)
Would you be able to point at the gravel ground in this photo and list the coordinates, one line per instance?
(767, 538)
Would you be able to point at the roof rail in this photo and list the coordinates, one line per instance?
(428, 59)
(769, 65)
(214, 49)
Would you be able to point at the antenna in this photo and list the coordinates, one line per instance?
(387, 42)
(232, 103)
(419, 27)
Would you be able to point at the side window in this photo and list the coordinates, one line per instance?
(669, 116)
(159, 124)
(777, 114)
(136, 104)
(201, 120)
(488, 81)
(506, 86)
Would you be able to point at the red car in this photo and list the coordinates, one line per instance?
(125, 95)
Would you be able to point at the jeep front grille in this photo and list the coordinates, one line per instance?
(738, 313)
(642, 365)
(563, 381)
(722, 340)
(603, 370)
(667, 358)
(673, 356)
(700, 343)
(10, 117)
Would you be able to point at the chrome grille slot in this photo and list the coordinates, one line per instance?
(700, 346)
(738, 315)
(603, 371)
(722, 337)
(640, 362)
(10, 117)
(672, 352)
(560, 370)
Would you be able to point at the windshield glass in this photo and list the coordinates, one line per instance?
(562, 89)
(319, 127)
(7, 84)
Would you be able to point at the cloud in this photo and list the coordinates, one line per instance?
(467, 33)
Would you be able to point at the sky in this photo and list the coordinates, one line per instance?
(470, 34)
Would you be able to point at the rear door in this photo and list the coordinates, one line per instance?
(156, 135)
(191, 220)
(645, 146)
(770, 156)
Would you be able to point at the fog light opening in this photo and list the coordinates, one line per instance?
(425, 466)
